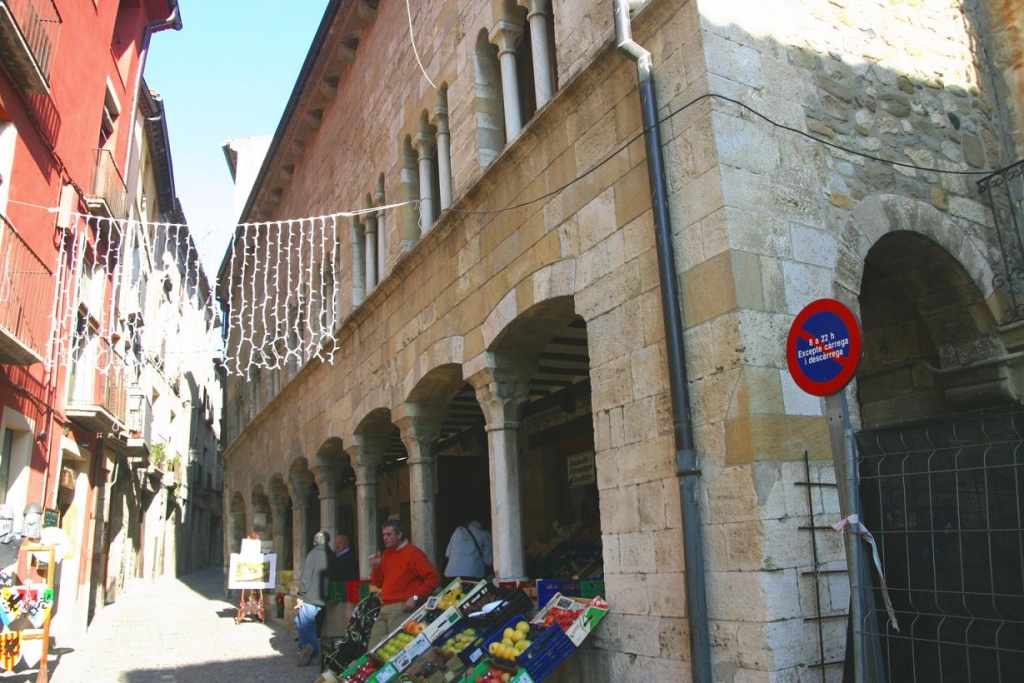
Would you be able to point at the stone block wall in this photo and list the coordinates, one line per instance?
(765, 220)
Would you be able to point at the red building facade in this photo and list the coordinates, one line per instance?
(69, 90)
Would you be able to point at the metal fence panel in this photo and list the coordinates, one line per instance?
(943, 499)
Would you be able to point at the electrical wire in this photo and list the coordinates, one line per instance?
(611, 155)
(608, 157)
(412, 39)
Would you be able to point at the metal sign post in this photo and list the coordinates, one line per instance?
(823, 351)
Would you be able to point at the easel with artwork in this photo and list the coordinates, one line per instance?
(251, 572)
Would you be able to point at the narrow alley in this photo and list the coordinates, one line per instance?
(178, 631)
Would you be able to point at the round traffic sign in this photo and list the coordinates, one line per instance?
(824, 347)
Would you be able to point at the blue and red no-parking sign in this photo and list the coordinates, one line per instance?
(825, 343)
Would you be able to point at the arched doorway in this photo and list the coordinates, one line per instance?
(939, 465)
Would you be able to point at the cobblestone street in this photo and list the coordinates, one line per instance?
(178, 631)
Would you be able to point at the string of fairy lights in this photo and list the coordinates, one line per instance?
(283, 281)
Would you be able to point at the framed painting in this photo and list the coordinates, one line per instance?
(252, 572)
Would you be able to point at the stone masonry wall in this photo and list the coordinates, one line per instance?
(766, 220)
(776, 220)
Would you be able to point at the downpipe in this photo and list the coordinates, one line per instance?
(671, 307)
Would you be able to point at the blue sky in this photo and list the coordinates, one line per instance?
(228, 73)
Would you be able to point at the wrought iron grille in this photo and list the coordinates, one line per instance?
(944, 498)
(1004, 190)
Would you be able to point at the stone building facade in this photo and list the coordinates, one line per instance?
(505, 316)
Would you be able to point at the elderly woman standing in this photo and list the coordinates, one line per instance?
(314, 592)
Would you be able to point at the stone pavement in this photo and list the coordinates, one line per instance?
(179, 631)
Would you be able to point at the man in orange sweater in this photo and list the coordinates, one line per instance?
(405, 577)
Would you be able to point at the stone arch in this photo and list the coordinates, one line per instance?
(330, 451)
(376, 438)
(878, 215)
(446, 351)
(552, 283)
(926, 320)
(373, 401)
(526, 332)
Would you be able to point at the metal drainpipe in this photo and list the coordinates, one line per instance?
(671, 307)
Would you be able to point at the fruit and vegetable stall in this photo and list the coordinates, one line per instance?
(480, 633)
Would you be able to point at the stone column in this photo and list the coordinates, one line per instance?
(381, 246)
(505, 35)
(301, 489)
(366, 453)
(327, 480)
(541, 57)
(424, 146)
(279, 505)
(444, 153)
(358, 266)
(371, 251)
(420, 428)
(502, 389)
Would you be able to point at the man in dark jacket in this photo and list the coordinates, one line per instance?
(348, 563)
(314, 591)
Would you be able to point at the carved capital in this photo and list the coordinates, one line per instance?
(506, 35)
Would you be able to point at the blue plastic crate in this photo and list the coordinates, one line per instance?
(546, 653)
(493, 636)
(546, 589)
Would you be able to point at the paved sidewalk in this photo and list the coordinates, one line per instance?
(179, 631)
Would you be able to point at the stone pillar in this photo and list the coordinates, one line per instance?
(358, 266)
(541, 57)
(367, 527)
(371, 251)
(420, 428)
(444, 153)
(505, 35)
(279, 505)
(502, 389)
(301, 489)
(327, 480)
(381, 245)
(366, 453)
(424, 146)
